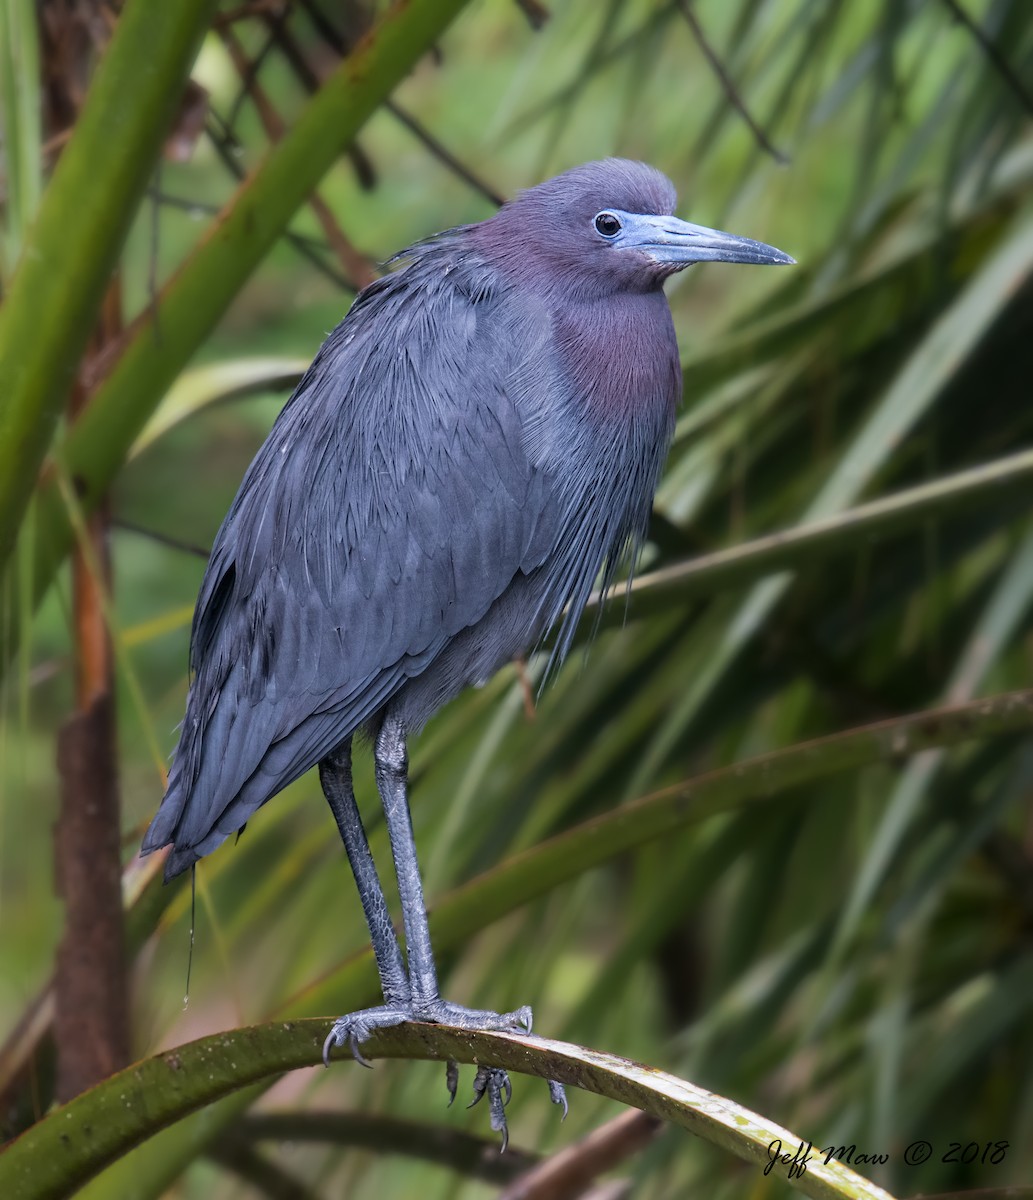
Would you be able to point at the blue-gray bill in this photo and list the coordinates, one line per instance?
(670, 241)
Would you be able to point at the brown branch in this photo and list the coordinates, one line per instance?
(246, 12)
(249, 72)
(187, 204)
(97, 365)
(311, 79)
(355, 265)
(226, 148)
(718, 67)
(341, 45)
(570, 1171)
(91, 991)
(188, 125)
(465, 1153)
(526, 687)
(536, 14)
(443, 155)
(27, 1053)
(91, 1004)
(162, 539)
(266, 1177)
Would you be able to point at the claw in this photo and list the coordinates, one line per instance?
(493, 1083)
(558, 1096)
(355, 1034)
(497, 1108)
(329, 1042)
(357, 1054)
(357, 1027)
(480, 1084)
(451, 1079)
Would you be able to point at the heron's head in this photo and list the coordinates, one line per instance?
(608, 226)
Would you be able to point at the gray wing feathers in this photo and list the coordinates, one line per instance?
(391, 505)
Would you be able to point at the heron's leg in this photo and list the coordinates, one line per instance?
(392, 780)
(415, 997)
(392, 766)
(335, 775)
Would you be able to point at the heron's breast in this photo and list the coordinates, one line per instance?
(620, 354)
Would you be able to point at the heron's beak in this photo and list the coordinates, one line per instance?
(676, 243)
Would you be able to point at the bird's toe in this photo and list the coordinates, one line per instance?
(355, 1028)
(442, 1012)
(494, 1083)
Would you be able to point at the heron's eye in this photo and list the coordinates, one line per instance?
(607, 224)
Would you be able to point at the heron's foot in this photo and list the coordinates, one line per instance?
(354, 1028)
(491, 1082)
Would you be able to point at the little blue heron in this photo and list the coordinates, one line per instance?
(475, 446)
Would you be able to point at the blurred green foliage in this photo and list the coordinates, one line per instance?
(851, 959)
